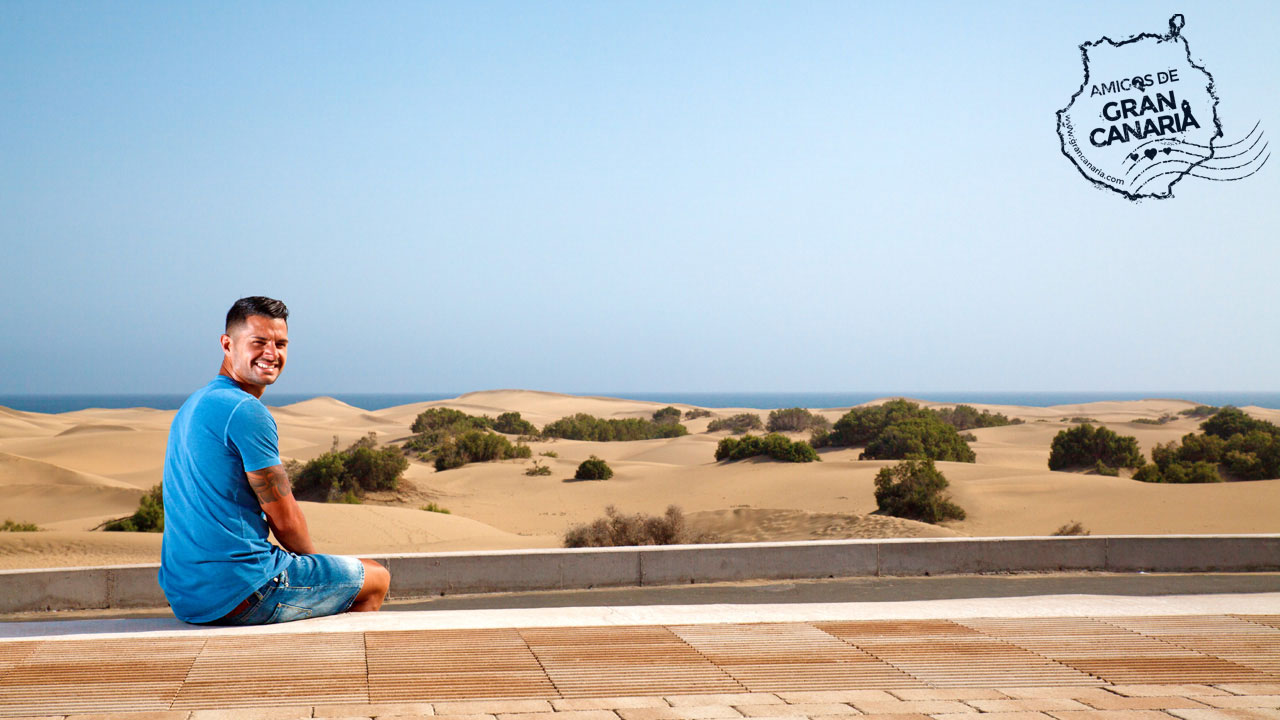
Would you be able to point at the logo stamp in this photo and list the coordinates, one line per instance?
(1146, 117)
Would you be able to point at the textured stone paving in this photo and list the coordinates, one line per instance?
(1207, 667)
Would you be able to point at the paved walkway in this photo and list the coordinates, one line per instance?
(1079, 657)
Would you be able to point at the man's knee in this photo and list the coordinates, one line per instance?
(377, 581)
(376, 575)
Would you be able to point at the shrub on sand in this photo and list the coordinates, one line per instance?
(774, 445)
(667, 416)
(584, 426)
(966, 417)
(736, 424)
(149, 516)
(1086, 446)
(1072, 528)
(439, 418)
(343, 475)
(512, 424)
(616, 529)
(914, 489)
(593, 468)
(11, 526)
(898, 429)
(1199, 411)
(795, 420)
(478, 446)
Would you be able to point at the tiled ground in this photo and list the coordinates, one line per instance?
(1220, 667)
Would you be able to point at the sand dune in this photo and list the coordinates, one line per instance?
(94, 427)
(343, 529)
(109, 453)
(16, 470)
(767, 525)
(70, 472)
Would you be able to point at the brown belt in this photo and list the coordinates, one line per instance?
(244, 605)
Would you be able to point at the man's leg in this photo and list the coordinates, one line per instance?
(315, 586)
(377, 580)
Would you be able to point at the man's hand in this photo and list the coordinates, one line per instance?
(275, 495)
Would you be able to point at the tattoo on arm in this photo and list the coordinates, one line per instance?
(270, 484)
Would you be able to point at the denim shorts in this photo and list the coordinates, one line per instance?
(313, 586)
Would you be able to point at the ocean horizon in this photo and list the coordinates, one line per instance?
(70, 402)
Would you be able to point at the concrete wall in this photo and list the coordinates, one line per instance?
(426, 574)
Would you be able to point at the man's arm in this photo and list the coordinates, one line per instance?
(275, 495)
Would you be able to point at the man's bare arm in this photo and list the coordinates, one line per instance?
(275, 495)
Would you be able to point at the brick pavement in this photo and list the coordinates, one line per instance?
(1219, 667)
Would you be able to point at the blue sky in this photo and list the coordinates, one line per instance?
(617, 196)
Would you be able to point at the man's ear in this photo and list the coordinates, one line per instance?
(226, 342)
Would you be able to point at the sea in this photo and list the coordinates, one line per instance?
(762, 400)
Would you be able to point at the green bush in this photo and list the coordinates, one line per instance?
(451, 438)
(696, 413)
(820, 437)
(1195, 448)
(477, 446)
(149, 517)
(1086, 446)
(440, 418)
(374, 469)
(11, 526)
(896, 429)
(921, 436)
(1079, 419)
(1178, 473)
(537, 469)
(588, 427)
(1253, 456)
(512, 424)
(617, 530)
(436, 425)
(1199, 411)
(774, 445)
(667, 416)
(795, 420)
(1203, 472)
(1232, 443)
(914, 489)
(966, 417)
(432, 507)
(593, 468)
(736, 424)
(344, 475)
(1103, 469)
(1149, 472)
(1166, 418)
(550, 454)
(1230, 421)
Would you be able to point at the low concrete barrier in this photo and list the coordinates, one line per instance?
(427, 574)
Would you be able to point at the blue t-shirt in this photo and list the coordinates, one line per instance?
(215, 551)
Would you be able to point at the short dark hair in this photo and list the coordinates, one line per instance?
(255, 305)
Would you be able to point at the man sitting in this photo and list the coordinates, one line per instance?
(225, 487)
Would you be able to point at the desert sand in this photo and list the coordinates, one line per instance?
(70, 472)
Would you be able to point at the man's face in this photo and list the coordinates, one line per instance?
(255, 352)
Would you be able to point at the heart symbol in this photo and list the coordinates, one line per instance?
(1167, 150)
(1133, 156)
(1150, 153)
